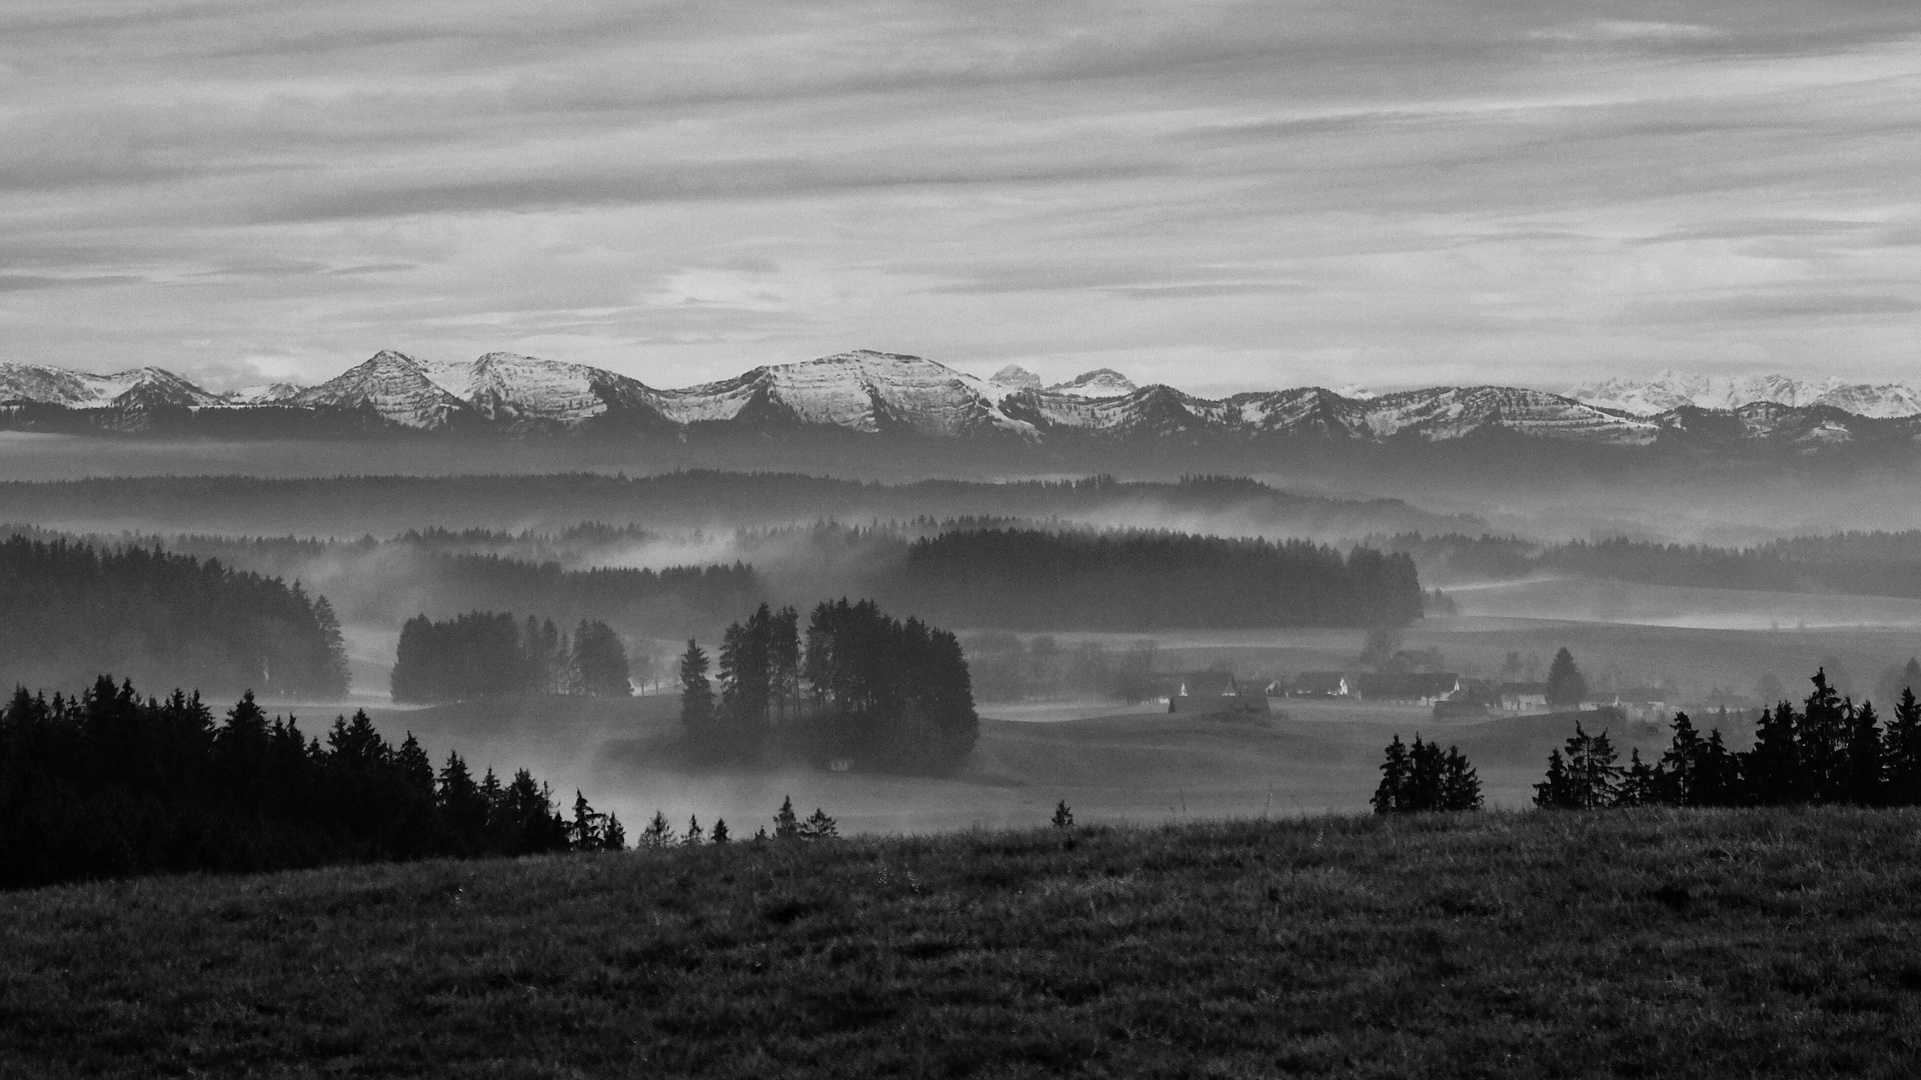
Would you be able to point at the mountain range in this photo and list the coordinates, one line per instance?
(876, 392)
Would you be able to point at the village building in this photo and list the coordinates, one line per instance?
(1212, 692)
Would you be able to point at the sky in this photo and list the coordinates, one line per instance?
(1220, 196)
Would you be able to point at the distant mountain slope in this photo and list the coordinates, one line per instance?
(877, 393)
(1670, 391)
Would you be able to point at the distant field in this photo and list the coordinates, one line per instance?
(1652, 943)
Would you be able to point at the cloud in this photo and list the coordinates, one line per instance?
(1221, 193)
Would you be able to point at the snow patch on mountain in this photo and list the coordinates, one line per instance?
(859, 391)
(1098, 383)
(395, 387)
(1670, 390)
(265, 394)
(141, 387)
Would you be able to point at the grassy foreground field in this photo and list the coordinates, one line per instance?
(1695, 944)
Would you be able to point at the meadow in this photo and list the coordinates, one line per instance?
(1643, 943)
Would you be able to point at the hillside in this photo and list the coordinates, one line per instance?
(1696, 944)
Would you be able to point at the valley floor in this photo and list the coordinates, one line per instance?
(1651, 943)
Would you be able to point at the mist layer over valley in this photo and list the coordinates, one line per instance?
(1073, 665)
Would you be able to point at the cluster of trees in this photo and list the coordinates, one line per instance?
(1028, 579)
(484, 653)
(1004, 668)
(1423, 779)
(108, 784)
(69, 611)
(1828, 751)
(861, 685)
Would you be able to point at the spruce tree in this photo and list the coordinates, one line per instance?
(658, 833)
(720, 835)
(1863, 770)
(1826, 719)
(786, 824)
(1773, 767)
(1063, 817)
(1460, 783)
(613, 835)
(1556, 790)
(1902, 752)
(1566, 686)
(1678, 775)
(695, 835)
(1389, 796)
(584, 834)
(696, 692)
(1425, 771)
(1719, 774)
(818, 826)
(1639, 786)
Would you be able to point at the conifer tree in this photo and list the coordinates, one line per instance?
(1679, 772)
(1773, 767)
(1825, 722)
(1719, 773)
(658, 833)
(585, 832)
(1460, 783)
(696, 692)
(786, 824)
(1424, 777)
(1903, 752)
(1639, 785)
(1863, 767)
(818, 826)
(1394, 778)
(695, 835)
(1566, 686)
(1556, 791)
(720, 835)
(613, 835)
(1063, 817)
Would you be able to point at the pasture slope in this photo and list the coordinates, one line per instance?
(1647, 943)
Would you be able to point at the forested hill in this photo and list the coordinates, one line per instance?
(1855, 563)
(69, 612)
(1033, 580)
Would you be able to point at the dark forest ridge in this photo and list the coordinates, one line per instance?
(876, 394)
(1655, 942)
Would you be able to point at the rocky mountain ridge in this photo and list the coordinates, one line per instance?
(888, 393)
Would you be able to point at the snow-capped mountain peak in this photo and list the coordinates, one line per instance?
(1098, 383)
(1671, 390)
(1014, 378)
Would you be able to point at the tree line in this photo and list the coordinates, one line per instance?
(1830, 750)
(1029, 579)
(860, 685)
(69, 611)
(485, 653)
(108, 784)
